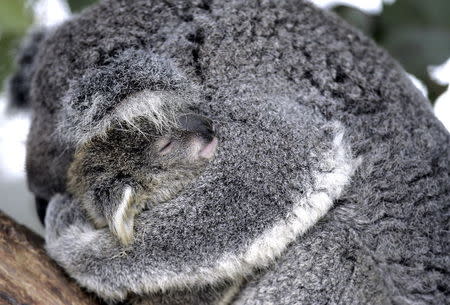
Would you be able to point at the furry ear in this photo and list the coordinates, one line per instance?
(135, 82)
(19, 84)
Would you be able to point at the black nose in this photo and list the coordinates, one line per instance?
(198, 124)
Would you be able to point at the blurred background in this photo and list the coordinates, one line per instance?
(415, 32)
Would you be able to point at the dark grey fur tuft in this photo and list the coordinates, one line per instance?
(19, 84)
(90, 104)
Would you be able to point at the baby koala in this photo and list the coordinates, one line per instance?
(135, 164)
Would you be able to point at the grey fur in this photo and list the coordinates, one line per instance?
(133, 164)
(284, 82)
(19, 83)
(90, 101)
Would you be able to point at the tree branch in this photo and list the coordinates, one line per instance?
(29, 276)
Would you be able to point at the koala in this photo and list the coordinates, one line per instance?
(133, 164)
(329, 181)
(160, 145)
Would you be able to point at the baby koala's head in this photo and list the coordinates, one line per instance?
(135, 164)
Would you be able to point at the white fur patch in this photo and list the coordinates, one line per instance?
(122, 225)
(230, 293)
(337, 168)
(308, 209)
(330, 177)
(158, 107)
(144, 103)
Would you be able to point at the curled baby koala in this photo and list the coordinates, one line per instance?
(116, 174)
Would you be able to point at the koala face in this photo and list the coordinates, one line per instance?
(116, 174)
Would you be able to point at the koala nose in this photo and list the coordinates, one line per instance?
(198, 124)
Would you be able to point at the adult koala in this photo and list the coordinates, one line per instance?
(330, 184)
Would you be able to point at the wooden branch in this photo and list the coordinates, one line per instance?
(29, 276)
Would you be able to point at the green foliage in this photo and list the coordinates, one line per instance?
(13, 16)
(415, 32)
(418, 13)
(357, 18)
(78, 5)
(14, 21)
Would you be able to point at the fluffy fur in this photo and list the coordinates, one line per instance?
(212, 263)
(19, 83)
(107, 94)
(283, 212)
(119, 172)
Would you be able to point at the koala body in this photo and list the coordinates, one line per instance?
(330, 184)
(128, 167)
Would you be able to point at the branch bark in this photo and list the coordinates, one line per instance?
(29, 276)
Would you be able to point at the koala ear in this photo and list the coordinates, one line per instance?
(19, 83)
(121, 220)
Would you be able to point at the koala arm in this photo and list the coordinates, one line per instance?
(171, 252)
(71, 239)
(63, 214)
(70, 236)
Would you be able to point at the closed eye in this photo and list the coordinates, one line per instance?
(166, 147)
